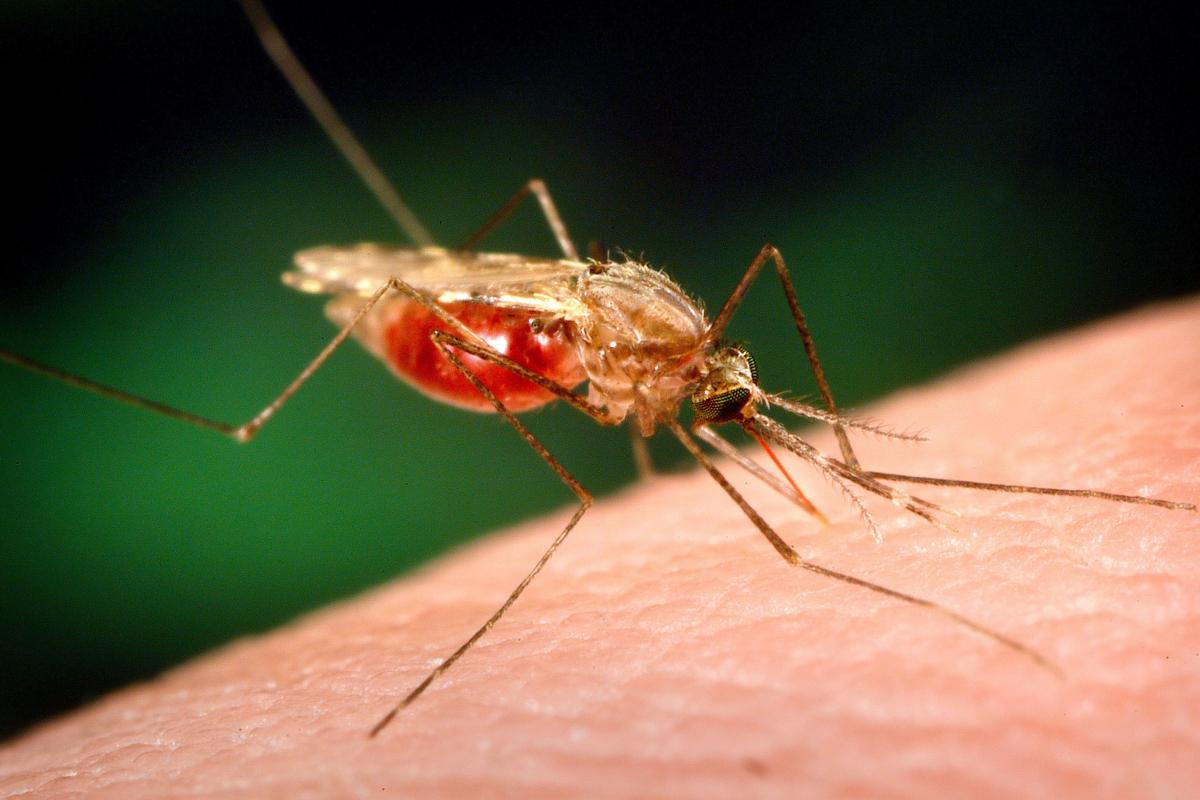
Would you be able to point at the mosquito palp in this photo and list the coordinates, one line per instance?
(505, 333)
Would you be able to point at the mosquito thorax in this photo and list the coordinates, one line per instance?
(729, 389)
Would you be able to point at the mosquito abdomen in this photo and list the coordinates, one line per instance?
(404, 343)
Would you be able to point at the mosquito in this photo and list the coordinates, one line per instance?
(504, 333)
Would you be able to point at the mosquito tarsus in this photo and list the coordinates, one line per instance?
(425, 308)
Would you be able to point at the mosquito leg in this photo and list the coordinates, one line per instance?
(247, 430)
(1013, 488)
(641, 453)
(794, 558)
(722, 445)
(538, 188)
(271, 39)
(447, 344)
(810, 349)
(239, 433)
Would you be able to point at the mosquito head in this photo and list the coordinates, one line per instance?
(729, 390)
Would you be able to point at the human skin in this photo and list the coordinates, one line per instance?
(667, 650)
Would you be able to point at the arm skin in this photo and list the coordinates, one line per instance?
(668, 651)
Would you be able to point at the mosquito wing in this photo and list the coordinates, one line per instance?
(446, 275)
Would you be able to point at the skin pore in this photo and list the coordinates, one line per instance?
(668, 651)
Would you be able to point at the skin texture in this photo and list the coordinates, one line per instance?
(668, 651)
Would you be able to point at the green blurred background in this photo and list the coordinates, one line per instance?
(944, 183)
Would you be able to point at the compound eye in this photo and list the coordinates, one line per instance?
(729, 388)
(721, 407)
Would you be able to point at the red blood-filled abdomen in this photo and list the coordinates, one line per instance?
(414, 357)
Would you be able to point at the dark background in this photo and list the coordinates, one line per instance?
(945, 182)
